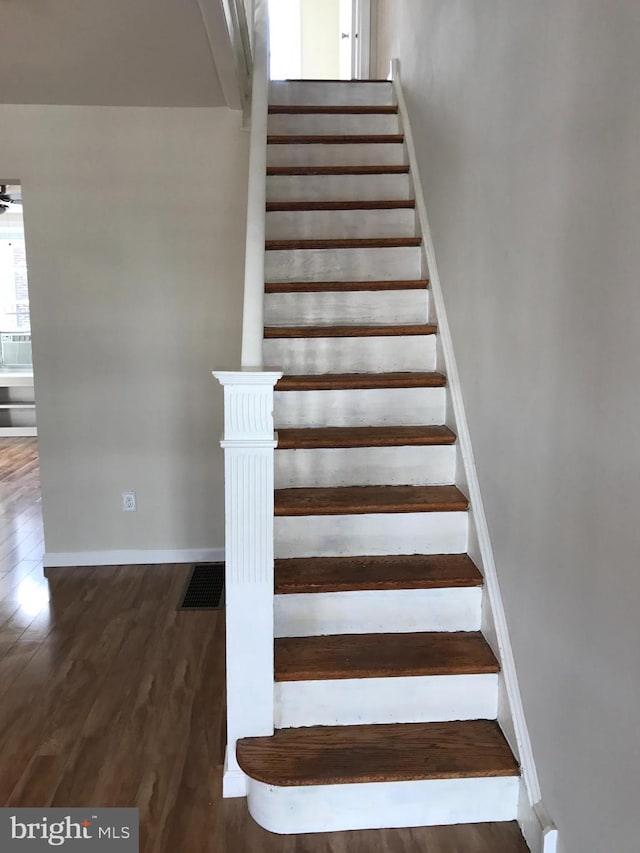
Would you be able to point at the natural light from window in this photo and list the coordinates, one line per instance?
(285, 40)
(15, 322)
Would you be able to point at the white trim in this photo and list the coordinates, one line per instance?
(550, 840)
(252, 311)
(529, 822)
(249, 446)
(373, 39)
(354, 40)
(241, 42)
(248, 376)
(362, 13)
(371, 611)
(382, 700)
(23, 378)
(382, 805)
(380, 533)
(133, 557)
(234, 781)
(15, 431)
(527, 762)
(538, 831)
(222, 51)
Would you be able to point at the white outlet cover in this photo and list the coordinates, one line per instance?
(129, 503)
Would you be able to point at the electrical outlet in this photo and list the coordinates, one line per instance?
(129, 502)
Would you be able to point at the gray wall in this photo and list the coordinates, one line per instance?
(135, 227)
(527, 125)
(151, 53)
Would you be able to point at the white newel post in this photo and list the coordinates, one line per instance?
(249, 442)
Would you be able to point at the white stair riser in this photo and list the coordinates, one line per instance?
(340, 224)
(374, 534)
(397, 611)
(310, 92)
(342, 154)
(362, 701)
(362, 407)
(351, 355)
(343, 264)
(362, 307)
(366, 466)
(379, 805)
(281, 124)
(337, 187)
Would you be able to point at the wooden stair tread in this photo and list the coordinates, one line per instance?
(338, 170)
(343, 656)
(297, 575)
(335, 139)
(325, 80)
(333, 109)
(359, 500)
(376, 204)
(347, 243)
(343, 286)
(378, 331)
(379, 436)
(332, 755)
(353, 381)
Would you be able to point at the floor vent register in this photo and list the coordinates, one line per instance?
(205, 589)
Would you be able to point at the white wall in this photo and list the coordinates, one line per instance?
(527, 125)
(134, 221)
(320, 28)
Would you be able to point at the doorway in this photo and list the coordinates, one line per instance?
(319, 39)
(17, 404)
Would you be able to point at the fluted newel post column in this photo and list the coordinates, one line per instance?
(249, 442)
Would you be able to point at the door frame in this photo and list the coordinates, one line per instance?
(361, 44)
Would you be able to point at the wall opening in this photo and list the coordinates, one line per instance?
(318, 39)
(17, 402)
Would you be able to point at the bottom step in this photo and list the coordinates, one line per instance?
(357, 777)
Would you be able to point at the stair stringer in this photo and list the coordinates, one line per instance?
(534, 823)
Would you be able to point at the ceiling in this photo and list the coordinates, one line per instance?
(106, 52)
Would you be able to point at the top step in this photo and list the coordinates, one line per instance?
(361, 92)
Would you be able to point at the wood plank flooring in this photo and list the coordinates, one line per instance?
(346, 109)
(380, 436)
(354, 500)
(336, 139)
(109, 696)
(334, 755)
(354, 381)
(364, 204)
(378, 331)
(401, 169)
(347, 243)
(382, 655)
(340, 574)
(343, 286)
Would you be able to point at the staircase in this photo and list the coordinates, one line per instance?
(386, 691)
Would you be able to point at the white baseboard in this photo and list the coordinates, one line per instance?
(133, 557)
(550, 840)
(536, 827)
(530, 825)
(234, 782)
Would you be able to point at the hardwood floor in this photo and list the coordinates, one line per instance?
(110, 696)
